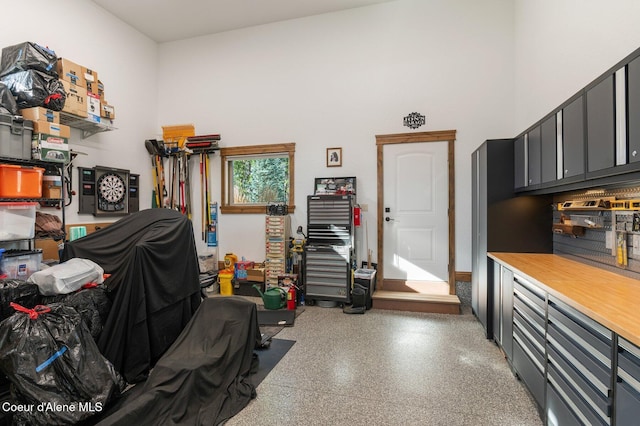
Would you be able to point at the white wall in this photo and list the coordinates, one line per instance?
(563, 45)
(125, 61)
(337, 80)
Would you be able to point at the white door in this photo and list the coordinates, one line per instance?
(416, 202)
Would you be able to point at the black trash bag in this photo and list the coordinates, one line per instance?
(92, 303)
(36, 89)
(28, 56)
(18, 291)
(55, 366)
(8, 103)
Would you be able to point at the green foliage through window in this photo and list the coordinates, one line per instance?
(260, 180)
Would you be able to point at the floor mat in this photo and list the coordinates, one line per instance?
(281, 317)
(270, 357)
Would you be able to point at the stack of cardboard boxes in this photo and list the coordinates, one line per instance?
(85, 92)
(85, 100)
(50, 140)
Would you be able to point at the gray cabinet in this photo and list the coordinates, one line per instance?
(579, 369)
(520, 163)
(495, 209)
(627, 395)
(534, 157)
(503, 308)
(633, 109)
(601, 131)
(529, 319)
(549, 150)
(573, 138)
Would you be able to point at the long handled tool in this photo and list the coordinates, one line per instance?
(151, 148)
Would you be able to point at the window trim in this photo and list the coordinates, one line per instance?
(279, 148)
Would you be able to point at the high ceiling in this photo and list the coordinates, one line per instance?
(169, 20)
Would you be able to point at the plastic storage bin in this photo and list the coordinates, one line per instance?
(20, 264)
(15, 137)
(20, 181)
(17, 221)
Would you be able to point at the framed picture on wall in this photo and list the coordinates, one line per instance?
(334, 157)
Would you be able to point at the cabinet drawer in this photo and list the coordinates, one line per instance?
(596, 372)
(529, 331)
(533, 317)
(594, 398)
(581, 329)
(558, 411)
(627, 404)
(577, 406)
(530, 349)
(629, 364)
(528, 371)
(532, 293)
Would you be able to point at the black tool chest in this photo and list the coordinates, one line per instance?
(330, 248)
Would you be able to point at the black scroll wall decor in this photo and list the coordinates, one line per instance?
(414, 120)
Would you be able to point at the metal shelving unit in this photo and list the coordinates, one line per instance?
(87, 126)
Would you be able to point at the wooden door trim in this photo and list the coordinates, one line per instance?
(448, 136)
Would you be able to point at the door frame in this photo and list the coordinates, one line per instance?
(448, 136)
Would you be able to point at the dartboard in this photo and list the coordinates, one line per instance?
(111, 188)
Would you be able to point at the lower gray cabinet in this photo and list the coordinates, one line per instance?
(529, 336)
(627, 395)
(579, 366)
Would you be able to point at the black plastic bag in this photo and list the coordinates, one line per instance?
(34, 89)
(55, 366)
(92, 303)
(18, 291)
(28, 56)
(8, 103)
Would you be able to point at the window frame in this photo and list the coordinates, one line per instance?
(252, 151)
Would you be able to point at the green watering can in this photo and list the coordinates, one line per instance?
(274, 298)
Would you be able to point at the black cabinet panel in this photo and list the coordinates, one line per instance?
(633, 109)
(520, 173)
(534, 156)
(549, 150)
(573, 138)
(601, 131)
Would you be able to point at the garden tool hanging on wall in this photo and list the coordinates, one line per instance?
(156, 149)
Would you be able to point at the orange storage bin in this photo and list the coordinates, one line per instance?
(20, 182)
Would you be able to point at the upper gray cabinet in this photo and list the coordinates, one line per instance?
(573, 138)
(633, 111)
(549, 149)
(534, 157)
(601, 132)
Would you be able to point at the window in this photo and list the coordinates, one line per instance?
(254, 176)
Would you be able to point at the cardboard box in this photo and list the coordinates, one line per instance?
(71, 72)
(50, 148)
(54, 129)
(76, 102)
(107, 111)
(90, 76)
(256, 273)
(93, 107)
(52, 186)
(40, 114)
(101, 90)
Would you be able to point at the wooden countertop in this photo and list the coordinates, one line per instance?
(611, 299)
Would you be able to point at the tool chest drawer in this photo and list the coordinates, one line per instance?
(531, 332)
(528, 367)
(327, 273)
(525, 310)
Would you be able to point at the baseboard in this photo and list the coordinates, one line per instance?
(463, 276)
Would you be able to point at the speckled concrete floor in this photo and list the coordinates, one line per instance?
(389, 368)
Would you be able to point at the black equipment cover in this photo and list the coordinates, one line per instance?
(204, 378)
(154, 285)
